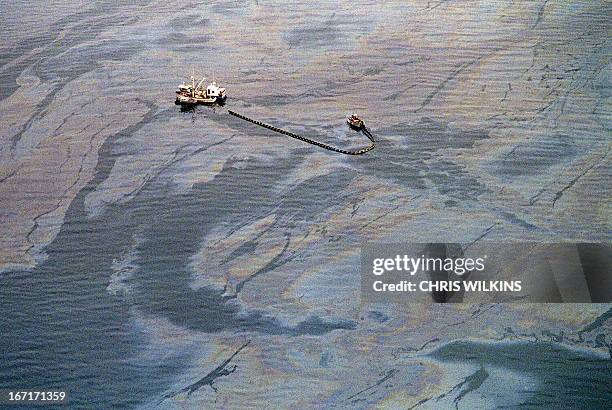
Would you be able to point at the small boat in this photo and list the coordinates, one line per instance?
(355, 122)
(190, 93)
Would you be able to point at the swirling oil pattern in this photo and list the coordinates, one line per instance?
(157, 257)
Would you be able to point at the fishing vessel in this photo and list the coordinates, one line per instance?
(191, 93)
(355, 122)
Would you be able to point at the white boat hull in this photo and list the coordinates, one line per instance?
(189, 100)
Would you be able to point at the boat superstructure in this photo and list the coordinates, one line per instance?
(193, 92)
(355, 122)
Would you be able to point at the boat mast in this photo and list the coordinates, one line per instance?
(192, 82)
